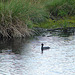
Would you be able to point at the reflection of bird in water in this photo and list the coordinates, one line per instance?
(44, 48)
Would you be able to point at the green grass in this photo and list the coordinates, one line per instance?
(51, 24)
(62, 14)
(35, 11)
(18, 17)
(25, 10)
(61, 7)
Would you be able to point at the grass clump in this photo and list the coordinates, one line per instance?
(62, 14)
(17, 17)
(62, 23)
(60, 8)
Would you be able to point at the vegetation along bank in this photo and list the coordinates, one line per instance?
(18, 18)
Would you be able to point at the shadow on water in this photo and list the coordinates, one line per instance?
(63, 32)
(15, 44)
(66, 32)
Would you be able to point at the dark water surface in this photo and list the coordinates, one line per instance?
(23, 56)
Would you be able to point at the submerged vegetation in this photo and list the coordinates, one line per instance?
(18, 17)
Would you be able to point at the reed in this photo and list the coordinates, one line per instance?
(17, 17)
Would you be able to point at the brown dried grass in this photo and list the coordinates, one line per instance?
(14, 28)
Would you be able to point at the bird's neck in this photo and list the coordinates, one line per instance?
(42, 45)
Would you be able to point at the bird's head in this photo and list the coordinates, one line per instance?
(42, 44)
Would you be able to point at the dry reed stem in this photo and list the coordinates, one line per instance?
(15, 28)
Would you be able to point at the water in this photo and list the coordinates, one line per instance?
(23, 56)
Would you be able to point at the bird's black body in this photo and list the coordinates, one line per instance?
(44, 48)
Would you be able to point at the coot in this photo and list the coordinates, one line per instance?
(44, 48)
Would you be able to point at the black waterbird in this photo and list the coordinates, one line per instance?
(44, 48)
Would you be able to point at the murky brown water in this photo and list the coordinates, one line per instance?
(25, 57)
